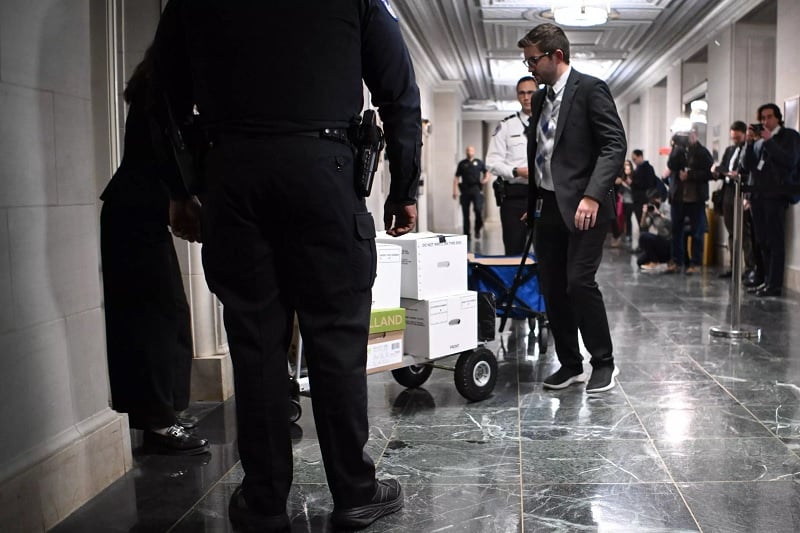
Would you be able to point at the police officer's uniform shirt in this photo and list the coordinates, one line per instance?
(201, 45)
(508, 148)
(470, 172)
(546, 181)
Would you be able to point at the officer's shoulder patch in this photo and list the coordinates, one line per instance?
(389, 9)
(499, 125)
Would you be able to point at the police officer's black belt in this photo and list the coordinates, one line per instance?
(333, 134)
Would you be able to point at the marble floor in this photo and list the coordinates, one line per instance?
(701, 434)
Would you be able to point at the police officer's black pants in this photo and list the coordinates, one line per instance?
(515, 204)
(472, 196)
(568, 263)
(284, 232)
(148, 329)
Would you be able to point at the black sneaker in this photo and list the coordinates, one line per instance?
(563, 378)
(247, 520)
(388, 499)
(602, 379)
(177, 441)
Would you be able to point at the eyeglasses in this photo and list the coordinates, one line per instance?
(531, 61)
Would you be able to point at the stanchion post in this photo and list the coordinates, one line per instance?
(736, 330)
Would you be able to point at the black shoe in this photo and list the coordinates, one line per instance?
(176, 442)
(769, 291)
(563, 378)
(755, 289)
(752, 280)
(726, 274)
(388, 499)
(247, 520)
(186, 420)
(602, 379)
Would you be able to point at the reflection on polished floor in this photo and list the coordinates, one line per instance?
(701, 434)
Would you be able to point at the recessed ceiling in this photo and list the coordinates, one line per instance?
(475, 41)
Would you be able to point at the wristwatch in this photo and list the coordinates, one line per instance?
(514, 172)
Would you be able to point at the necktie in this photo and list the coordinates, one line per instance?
(546, 133)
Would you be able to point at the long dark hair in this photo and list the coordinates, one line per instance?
(140, 78)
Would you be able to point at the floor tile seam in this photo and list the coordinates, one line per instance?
(390, 439)
(743, 406)
(521, 484)
(661, 460)
(203, 497)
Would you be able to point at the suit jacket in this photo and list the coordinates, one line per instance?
(643, 180)
(728, 188)
(589, 147)
(771, 168)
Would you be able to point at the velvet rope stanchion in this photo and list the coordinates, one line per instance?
(736, 330)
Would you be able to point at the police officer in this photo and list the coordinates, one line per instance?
(507, 158)
(276, 85)
(471, 175)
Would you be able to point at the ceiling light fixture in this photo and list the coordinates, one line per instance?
(580, 15)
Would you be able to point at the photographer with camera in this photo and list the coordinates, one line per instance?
(655, 237)
(690, 169)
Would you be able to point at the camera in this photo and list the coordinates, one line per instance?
(758, 127)
(651, 208)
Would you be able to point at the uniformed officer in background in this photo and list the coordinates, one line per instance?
(276, 85)
(471, 175)
(507, 158)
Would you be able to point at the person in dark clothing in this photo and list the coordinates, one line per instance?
(285, 229)
(470, 177)
(148, 328)
(571, 203)
(690, 166)
(655, 238)
(727, 170)
(770, 168)
(643, 180)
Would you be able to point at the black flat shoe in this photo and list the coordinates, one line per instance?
(247, 520)
(769, 291)
(726, 274)
(388, 499)
(176, 442)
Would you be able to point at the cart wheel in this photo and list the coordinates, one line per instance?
(412, 376)
(476, 374)
(295, 411)
(544, 335)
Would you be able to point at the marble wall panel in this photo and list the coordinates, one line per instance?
(45, 44)
(74, 151)
(54, 262)
(27, 154)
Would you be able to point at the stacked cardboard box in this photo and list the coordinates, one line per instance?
(441, 314)
(388, 319)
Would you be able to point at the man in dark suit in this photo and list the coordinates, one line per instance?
(770, 169)
(727, 169)
(577, 151)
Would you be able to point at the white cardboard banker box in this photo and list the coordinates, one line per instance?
(441, 326)
(386, 289)
(432, 265)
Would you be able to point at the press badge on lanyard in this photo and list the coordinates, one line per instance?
(538, 212)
